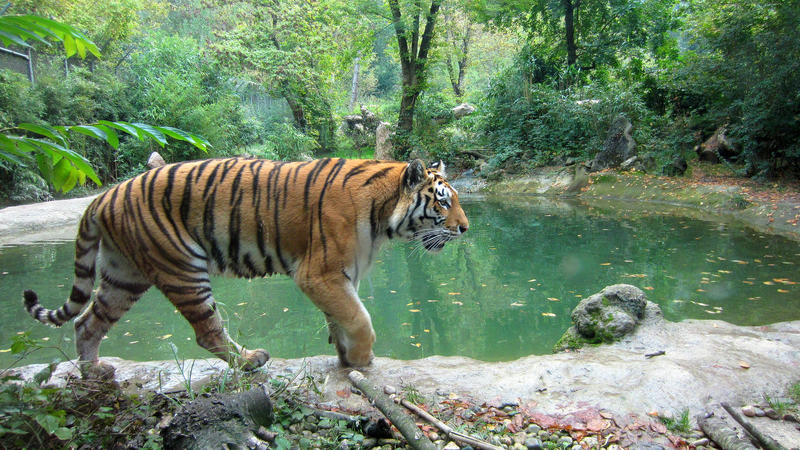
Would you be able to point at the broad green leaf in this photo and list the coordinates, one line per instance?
(35, 27)
(77, 160)
(45, 131)
(181, 135)
(45, 164)
(152, 132)
(111, 136)
(91, 131)
(124, 126)
(69, 45)
(63, 433)
(9, 38)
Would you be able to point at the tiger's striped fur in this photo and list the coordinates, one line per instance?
(320, 222)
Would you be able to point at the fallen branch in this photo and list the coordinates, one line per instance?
(720, 433)
(451, 433)
(408, 428)
(767, 442)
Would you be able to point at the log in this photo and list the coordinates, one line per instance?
(408, 428)
(719, 432)
(219, 420)
(767, 442)
(451, 433)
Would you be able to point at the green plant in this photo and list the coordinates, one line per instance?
(682, 423)
(781, 406)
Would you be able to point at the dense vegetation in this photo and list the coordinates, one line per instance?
(274, 79)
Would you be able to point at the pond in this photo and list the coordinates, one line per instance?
(504, 291)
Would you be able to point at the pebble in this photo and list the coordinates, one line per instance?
(533, 444)
(771, 413)
(433, 436)
(700, 442)
(451, 446)
(564, 441)
(590, 441)
(749, 410)
(389, 390)
(533, 429)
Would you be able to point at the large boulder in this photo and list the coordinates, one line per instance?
(717, 147)
(383, 143)
(677, 167)
(606, 316)
(618, 147)
(155, 161)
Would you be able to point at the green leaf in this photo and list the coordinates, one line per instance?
(45, 131)
(111, 136)
(12, 38)
(63, 433)
(75, 159)
(91, 131)
(152, 132)
(29, 27)
(124, 126)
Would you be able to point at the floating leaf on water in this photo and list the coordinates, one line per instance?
(712, 312)
(409, 303)
(783, 291)
(454, 293)
(5, 350)
(605, 264)
(648, 288)
(413, 337)
(739, 261)
(426, 330)
(457, 303)
(442, 284)
(433, 301)
(285, 309)
(747, 282)
(241, 303)
(553, 299)
(635, 275)
(127, 333)
(628, 260)
(133, 342)
(754, 298)
(417, 344)
(405, 324)
(548, 314)
(392, 292)
(166, 336)
(517, 304)
(724, 271)
(483, 284)
(413, 310)
(677, 301)
(769, 283)
(532, 280)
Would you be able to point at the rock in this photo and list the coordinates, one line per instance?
(383, 143)
(389, 390)
(646, 446)
(369, 119)
(749, 410)
(533, 429)
(564, 441)
(611, 313)
(618, 147)
(155, 161)
(462, 110)
(675, 168)
(628, 164)
(717, 146)
(451, 446)
(533, 444)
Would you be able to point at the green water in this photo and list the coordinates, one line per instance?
(502, 292)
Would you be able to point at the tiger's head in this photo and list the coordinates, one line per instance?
(428, 211)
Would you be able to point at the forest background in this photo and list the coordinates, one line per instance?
(275, 78)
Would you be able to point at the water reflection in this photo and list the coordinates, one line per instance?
(503, 291)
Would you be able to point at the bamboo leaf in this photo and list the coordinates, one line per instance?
(45, 131)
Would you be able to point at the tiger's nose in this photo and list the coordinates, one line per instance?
(462, 228)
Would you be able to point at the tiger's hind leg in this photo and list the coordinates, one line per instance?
(196, 303)
(121, 285)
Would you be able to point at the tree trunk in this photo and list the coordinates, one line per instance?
(297, 112)
(569, 28)
(354, 84)
(412, 63)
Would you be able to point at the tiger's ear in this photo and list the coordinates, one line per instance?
(415, 174)
(439, 167)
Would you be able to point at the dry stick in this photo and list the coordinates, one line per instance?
(451, 433)
(766, 441)
(720, 433)
(408, 428)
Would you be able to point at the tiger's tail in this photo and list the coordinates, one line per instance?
(86, 247)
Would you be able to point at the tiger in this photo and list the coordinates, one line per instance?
(320, 222)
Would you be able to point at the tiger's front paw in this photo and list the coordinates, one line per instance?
(253, 359)
(354, 359)
(97, 370)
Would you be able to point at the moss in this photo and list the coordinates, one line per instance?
(605, 178)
